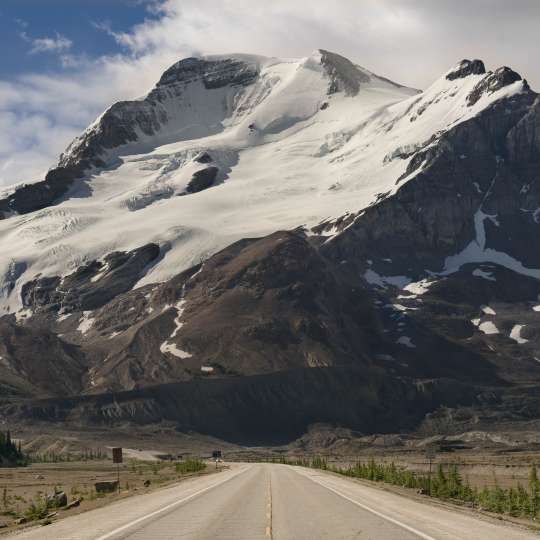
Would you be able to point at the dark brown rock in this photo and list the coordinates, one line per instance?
(57, 499)
(202, 179)
(344, 75)
(466, 68)
(119, 272)
(204, 157)
(492, 82)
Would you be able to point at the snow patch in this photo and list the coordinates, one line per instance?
(168, 346)
(515, 334)
(406, 342)
(400, 307)
(488, 328)
(101, 273)
(488, 310)
(478, 272)
(85, 322)
(171, 348)
(476, 252)
(383, 281)
(419, 287)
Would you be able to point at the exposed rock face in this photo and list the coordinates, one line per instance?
(492, 82)
(212, 73)
(471, 168)
(344, 75)
(237, 296)
(466, 68)
(14, 271)
(204, 157)
(36, 361)
(202, 179)
(523, 139)
(91, 286)
(30, 197)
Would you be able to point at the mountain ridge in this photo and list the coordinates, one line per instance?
(319, 218)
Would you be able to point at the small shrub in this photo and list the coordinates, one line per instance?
(190, 466)
(38, 509)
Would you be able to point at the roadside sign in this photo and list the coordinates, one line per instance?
(117, 458)
(216, 454)
(117, 455)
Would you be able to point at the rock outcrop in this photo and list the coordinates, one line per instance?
(492, 82)
(466, 68)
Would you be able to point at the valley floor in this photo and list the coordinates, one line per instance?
(24, 488)
(251, 501)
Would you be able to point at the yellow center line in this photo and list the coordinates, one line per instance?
(268, 531)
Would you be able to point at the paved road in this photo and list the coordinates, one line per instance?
(274, 502)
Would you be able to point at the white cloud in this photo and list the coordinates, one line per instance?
(410, 41)
(58, 44)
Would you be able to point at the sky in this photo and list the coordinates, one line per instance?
(63, 62)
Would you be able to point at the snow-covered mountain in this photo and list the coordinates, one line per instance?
(255, 216)
(282, 143)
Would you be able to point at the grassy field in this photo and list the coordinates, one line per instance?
(480, 467)
(23, 489)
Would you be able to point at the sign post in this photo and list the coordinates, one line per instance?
(117, 458)
(216, 455)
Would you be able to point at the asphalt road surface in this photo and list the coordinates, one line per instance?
(251, 502)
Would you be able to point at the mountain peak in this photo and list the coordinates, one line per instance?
(213, 72)
(494, 81)
(255, 216)
(466, 68)
(344, 75)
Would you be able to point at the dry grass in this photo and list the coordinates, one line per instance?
(23, 489)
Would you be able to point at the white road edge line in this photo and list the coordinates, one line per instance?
(376, 512)
(168, 507)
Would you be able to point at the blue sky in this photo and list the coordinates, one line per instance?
(62, 62)
(75, 26)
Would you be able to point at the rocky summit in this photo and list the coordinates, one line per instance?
(262, 244)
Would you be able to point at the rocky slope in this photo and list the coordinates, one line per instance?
(262, 244)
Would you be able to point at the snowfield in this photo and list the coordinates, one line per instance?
(288, 153)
